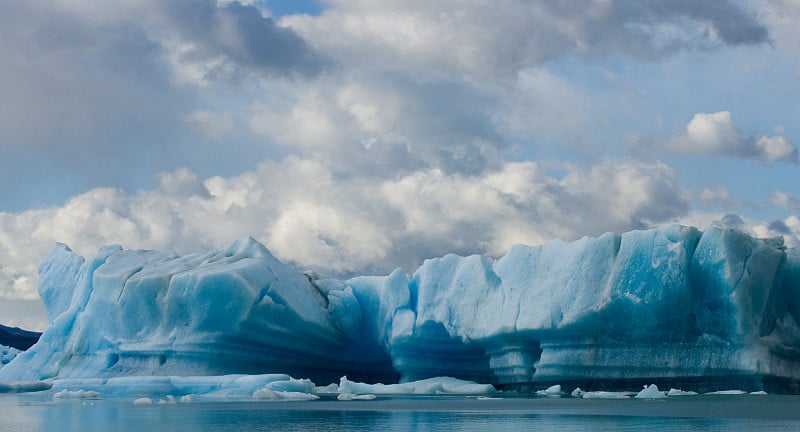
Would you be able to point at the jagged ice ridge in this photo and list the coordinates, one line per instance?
(673, 306)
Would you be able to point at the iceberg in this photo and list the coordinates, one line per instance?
(674, 306)
(552, 391)
(728, 392)
(678, 392)
(430, 386)
(187, 388)
(234, 311)
(650, 392)
(76, 394)
(607, 395)
(278, 395)
(354, 397)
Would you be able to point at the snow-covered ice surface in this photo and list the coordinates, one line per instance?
(715, 309)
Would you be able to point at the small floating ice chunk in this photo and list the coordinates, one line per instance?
(488, 398)
(650, 392)
(430, 386)
(577, 393)
(550, 391)
(267, 394)
(76, 394)
(169, 400)
(727, 392)
(759, 393)
(143, 401)
(606, 395)
(186, 398)
(352, 396)
(347, 386)
(677, 392)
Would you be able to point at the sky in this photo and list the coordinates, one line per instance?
(357, 136)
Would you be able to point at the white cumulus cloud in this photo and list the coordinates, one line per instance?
(308, 217)
(714, 134)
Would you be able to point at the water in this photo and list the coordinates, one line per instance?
(705, 413)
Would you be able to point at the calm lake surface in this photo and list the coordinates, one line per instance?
(31, 412)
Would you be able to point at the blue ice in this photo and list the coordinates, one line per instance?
(673, 304)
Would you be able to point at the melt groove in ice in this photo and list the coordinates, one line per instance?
(672, 303)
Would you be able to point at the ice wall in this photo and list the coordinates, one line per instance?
(672, 304)
(154, 313)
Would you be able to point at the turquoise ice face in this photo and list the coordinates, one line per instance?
(669, 303)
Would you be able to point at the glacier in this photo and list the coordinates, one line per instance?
(674, 306)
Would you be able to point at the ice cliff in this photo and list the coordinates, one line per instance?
(674, 306)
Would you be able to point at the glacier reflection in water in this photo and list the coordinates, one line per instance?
(709, 414)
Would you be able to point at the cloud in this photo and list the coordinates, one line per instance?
(308, 217)
(211, 125)
(718, 197)
(181, 183)
(521, 204)
(785, 200)
(383, 88)
(90, 90)
(27, 314)
(787, 228)
(78, 78)
(453, 36)
(730, 220)
(714, 134)
(222, 40)
(383, 125)
(782, 16)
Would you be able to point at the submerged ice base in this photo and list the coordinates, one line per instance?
(673, 306)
